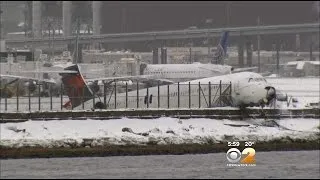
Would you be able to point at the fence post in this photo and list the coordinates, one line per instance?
(178, 94)
(230, 95)
(61, 96)
(137, 94)
(104, 93)
(209, 94)
(189, 95)
(82, 98)
(6, 103)
(158, 94)
(147, 97)
(168, 96)
(74, 89)
(17, 97)
(115, 95)
(126, 94)
(39, 97)
(220, 98)
(199, 95)
(50, 91)
(29, 100)
(94, 99)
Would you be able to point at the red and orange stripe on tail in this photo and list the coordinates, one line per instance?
(75, 86)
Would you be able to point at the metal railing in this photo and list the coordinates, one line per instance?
(116, 96)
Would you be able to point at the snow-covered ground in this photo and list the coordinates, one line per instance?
(306, 90)
(160, 131)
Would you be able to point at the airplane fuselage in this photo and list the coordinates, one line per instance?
(185, 72)
(244, 89)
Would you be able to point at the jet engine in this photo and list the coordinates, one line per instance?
(271, 94)
(100, 105)
(31, 85)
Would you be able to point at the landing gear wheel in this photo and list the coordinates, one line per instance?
(100, 105)
(44, 94)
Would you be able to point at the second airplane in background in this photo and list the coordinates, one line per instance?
(186, 72)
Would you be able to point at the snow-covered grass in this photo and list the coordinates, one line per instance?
(163, 130)
(306, 89)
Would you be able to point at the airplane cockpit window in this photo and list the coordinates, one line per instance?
(257, 80)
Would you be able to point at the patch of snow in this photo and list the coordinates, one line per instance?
(160, 131)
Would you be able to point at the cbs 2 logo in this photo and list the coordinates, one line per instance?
(248, 154)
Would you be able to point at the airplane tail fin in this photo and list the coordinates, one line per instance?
(75, 86)
(221, 52)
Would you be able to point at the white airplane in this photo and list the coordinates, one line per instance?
(247, 89)
(186, 72)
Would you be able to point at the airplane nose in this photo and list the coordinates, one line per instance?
(271, 93)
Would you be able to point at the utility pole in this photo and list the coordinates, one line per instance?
(25, 12)
(278, 56)
(228, 13)
(258, 42)
(209, 25)
(49, 29)
(53, 33)
(123, 22)
(2, 41)
(1, 25)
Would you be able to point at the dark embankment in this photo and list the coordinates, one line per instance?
(134, 150)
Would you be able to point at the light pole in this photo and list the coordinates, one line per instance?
(53, 33)
(209, 25)
(258, 46)
(25, 12)
(1, 25)
(49, 31)
(228, 13)
(77, 40)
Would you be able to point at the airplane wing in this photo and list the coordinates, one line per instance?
(154, 82)
(143, 78)
(164, 81)
(46, 71)
(119, 78)
(212, 70)
(244, 69)
(26, 78)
